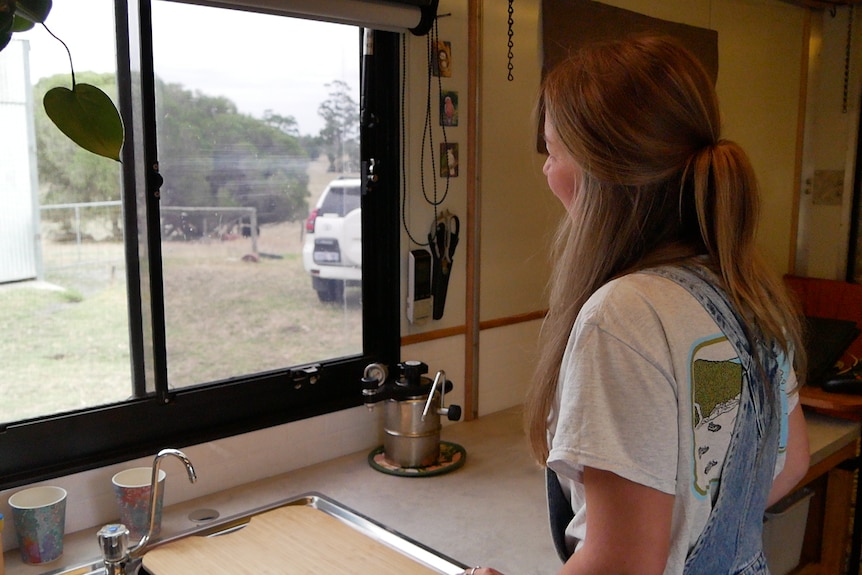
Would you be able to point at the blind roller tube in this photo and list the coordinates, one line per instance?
(390, 15)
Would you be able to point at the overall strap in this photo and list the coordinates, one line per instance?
(560, 513)
(757, 359)
(733, 535)
(731, 541)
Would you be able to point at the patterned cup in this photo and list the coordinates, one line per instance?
(132, 491)
(39, 514)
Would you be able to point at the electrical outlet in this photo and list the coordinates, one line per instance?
(419, 298)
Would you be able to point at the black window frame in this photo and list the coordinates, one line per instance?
(62, 444)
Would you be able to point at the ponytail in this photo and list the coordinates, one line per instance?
(726, 200)
(725, 193)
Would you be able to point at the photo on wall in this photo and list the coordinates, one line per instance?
(448, 160)
(442, 59)
(448, 108)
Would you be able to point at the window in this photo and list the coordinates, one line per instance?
(164, 300)
(341, 199)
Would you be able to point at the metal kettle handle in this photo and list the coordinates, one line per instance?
(441, 376)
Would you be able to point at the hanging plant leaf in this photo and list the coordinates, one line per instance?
(20, 15)
(33, 10)
(88, 117)
(21, 24)
(6, 18)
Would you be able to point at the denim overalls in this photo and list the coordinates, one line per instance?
(732, 540)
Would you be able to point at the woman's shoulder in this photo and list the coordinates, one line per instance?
(640, 286)
(638, 296)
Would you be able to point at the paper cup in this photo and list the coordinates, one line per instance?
(39, 514)
(132, 491)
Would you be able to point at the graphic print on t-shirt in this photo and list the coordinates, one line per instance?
(716, 384)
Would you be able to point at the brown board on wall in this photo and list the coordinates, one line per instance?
(569, 24)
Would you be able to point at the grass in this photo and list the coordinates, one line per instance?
(60, 354)
(69, 349)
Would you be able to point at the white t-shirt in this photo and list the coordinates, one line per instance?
(649, 390)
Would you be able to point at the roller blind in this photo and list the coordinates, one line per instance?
(391, 15)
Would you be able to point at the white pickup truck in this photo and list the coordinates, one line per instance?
(332, 252)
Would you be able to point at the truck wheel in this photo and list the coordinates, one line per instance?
(329, 290)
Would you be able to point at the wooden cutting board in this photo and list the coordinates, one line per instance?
(288, 540)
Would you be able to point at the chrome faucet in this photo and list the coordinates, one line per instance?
(114, 538)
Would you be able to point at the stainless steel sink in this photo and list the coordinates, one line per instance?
(365, 525)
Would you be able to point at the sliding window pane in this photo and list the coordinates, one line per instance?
(256, 116)
(64, 331)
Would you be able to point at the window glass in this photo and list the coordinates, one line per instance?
(63, 301)
(256, 115)
(227, 300)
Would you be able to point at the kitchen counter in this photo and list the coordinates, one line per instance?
(490, 512)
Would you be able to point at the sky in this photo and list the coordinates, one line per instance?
(259, 62)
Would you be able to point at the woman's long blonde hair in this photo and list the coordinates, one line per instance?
(640, 118)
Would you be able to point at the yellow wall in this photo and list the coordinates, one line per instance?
(760, 70)
(832, 120)
(760, 51)
(761, 46)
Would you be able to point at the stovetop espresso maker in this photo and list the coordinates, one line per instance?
(412, 406)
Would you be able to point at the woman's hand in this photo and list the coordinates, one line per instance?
(481, 571)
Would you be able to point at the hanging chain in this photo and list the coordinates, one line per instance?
(511, 44)
(847, 48)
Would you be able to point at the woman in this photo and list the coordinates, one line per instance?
(668, 343)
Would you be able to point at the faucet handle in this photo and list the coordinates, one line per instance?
(114, 542)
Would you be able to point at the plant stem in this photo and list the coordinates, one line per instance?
(67, 52)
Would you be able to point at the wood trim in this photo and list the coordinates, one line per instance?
(462, 329)
(471, 342)
(434, 334)
(836, 518)
(513, 319)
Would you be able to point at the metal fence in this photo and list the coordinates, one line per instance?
(81, 234)
(86, 239)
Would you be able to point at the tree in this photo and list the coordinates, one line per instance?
(340, 132)
(209, 155)
(286, 124)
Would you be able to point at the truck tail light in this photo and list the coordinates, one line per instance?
(309, 221)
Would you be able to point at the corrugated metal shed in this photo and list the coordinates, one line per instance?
(19, 215)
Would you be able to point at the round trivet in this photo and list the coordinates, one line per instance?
(452, 456)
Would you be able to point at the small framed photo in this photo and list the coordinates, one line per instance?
(442, 59)
(449, 160)
(448, 108)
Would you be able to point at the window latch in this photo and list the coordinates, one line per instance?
(305, 374)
